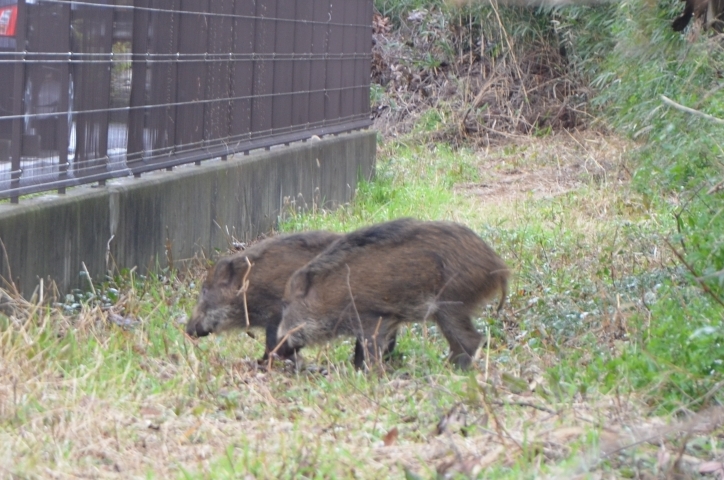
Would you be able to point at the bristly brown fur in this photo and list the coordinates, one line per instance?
(399, 271)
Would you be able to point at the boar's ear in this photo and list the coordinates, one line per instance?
(299, 284)
(224, 271)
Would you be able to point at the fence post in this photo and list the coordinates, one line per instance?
(16, 147)
(191, 75)
(283, 66)
(263, 90)
(92, 46)
(137, 113)
(318, 73)
(65, 122)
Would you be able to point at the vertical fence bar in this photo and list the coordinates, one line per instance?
(242, 71)
(16, 144)
(172, 72)
(137, 114)
(366, 49)
(363, 62)
(121, 83)
(261, 109)
(334, 62)
(92, 46)
(191, 78)
(360, 57)
(46, 93)
(318, 73)
(347, 63)
(163, 37)
(103, 20)
(302, 64)
(64, 123)
(283, 66)
(216, 113)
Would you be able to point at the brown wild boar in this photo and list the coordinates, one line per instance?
(710, 11)
(221, 305)
(374, 279)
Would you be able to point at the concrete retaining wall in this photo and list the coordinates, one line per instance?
(189, 209)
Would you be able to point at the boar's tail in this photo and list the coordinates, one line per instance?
(503, 291)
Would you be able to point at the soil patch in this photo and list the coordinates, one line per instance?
(545, 168)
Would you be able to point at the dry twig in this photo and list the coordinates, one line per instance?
(244, 288)
(691, 111)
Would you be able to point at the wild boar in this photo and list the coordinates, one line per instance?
(221, 302)
(372, 280)
(710, 11)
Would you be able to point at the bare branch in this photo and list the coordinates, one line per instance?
(697, 113)
(719, 186)
(718, 274)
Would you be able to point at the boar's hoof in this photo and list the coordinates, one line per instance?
(463, 361)
(285, 354)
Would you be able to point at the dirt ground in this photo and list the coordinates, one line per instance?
(544, 168)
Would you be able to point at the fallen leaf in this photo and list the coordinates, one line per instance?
(151, 412)
(190, 431)
(391, 437)
(711, 467)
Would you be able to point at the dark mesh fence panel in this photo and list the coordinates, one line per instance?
(96, 89)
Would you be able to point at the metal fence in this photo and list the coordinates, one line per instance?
(96, 89)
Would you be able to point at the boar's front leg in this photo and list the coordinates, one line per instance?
(455, 324)
(284, 351)
(373, 348)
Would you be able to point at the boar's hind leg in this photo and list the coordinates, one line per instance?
(460, 333)
(359, 350)
(284, 351)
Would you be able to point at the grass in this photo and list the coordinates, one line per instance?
(108, 385)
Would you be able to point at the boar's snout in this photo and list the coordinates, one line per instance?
(199, 325)
(196, 329)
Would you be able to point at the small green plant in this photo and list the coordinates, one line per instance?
(376, 94)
